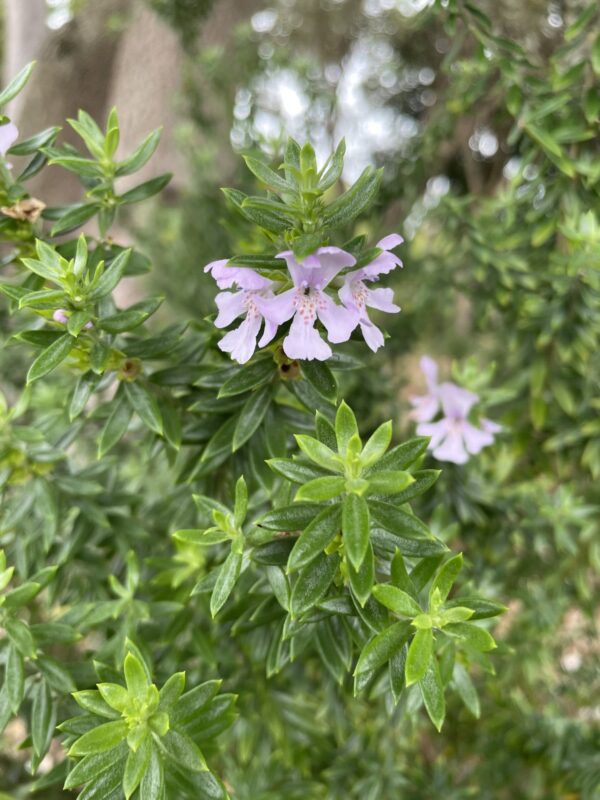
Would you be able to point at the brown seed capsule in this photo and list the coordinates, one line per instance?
(27, 210)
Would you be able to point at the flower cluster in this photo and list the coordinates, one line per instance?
(305, 303)
(453, 437)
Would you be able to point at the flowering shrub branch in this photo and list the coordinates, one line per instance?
(320, 556)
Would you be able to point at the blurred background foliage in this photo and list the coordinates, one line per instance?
(485, 116)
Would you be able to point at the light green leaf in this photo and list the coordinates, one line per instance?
(419, 655)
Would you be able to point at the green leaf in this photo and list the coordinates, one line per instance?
(313, 582)
(249, 377)
(466, 689)
(473, 636)
(353, 202)
(322, 379)
(447, 574)
(419, 655)
(50, 358)
(136, 676)
(397, 521)
(114, 695)
(137, 763)
(226, 580)
(389, 482)
(381, 647)
(333, 172)
(345, 427)
(73, 217)
(397, 600)
(86, 384)
(43, 719)
(376, 445)
(116, 425)
(33, 143)
(93, 765)
(315, 538)
(362, 579)
(294, 471)
(110, 277)
(423, 480)
(14, 678)
(19, 633)
(240, 508)
(183, 751)
(140, 156)
(152, 785)
(145, 190)
(57, 676)
(432, 691)
(355, 528)
(544, 139)
(251, 416)
(267, 176)
(402, 456)
(325, 431)
(17, 84)
(171, 691)
(320, 489)
(100, 739)
(319, 453)
(595, 55)
(145, 405)
(289, 518)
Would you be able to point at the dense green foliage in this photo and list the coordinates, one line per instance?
(171, 520)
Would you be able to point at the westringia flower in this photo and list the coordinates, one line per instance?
(426, 406)
(241, 342)
(62, 317)
(8, 135)
(307, 301)
(453, 437)
(356, 295)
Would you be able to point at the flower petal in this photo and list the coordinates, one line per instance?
(372, 335)
(436, 430)
(382, 299)
(268, 333)
(277, 309)
(429, 368)
(338, 320)
(305, 342)
(241, 342)
(456, 402)
(390, 241)
(475, 439)
(230, 305)
(425, 407)
(244, 277)
(452, 448)
(489, 426)
(319, 268)
(8, 134)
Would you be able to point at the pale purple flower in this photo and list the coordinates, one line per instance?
(426, 406)
(307, 301)
(241, 342)
(62, 317)
(454, 438)
(8, 135)
(356, 295)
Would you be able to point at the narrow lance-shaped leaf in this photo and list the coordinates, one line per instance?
(226, 580)
(355, 528)
(50, 358)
